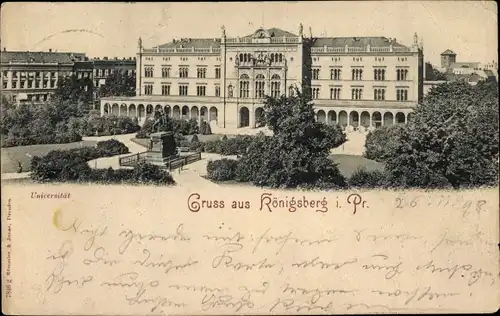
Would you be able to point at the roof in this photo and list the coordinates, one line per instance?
(465, 65)
(448, 52)
(38, 57)
(274, 32)
(192, 43)
(378, 41)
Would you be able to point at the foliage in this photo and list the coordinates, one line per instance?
(362, 178)
(183, 127)
(205, 128)
(297, 153)
(379, 141)
(106, 125)
(118, 84)
(433, 74)
(451, 141)
(111, 147)
(222, 170)
(74, 90)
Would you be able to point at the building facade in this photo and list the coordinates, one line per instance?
(356, 82)
(105, 67)
(33, 76)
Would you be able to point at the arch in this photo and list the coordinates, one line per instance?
(213, 114)
(185, 112)
(376, 119)
(106, 108)
(400, 118)
(275, 77)
(176, 112)
(115, 109)
(158, 107)
(149, 110)
(259, 117)
(365, 119)
(409, 117)
(260, 77)
(321, 116)
(123, 109)
(141, 111)
(342, 118)
(244, 76)
(195, 113)
(332, 117)
(132, 112)
(388, 118)
(244, 117)
(354, 118)
(204, 113)
(166, 109)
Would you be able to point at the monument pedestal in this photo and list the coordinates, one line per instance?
(162, 147)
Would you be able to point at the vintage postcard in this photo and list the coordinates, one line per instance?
(220, 158)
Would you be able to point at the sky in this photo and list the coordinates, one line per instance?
(469, 28)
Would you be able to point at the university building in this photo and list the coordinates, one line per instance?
(354, 81)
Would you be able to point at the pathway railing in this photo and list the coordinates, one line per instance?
(182, 161)
(132, 160)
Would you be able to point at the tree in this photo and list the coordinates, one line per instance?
(452, 139)
(297, 153)
(74, 90)
(432, 74)
(118, 84)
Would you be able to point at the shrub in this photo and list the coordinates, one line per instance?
(367, 179)
(111, 147)
(148, 173)
(205, 128)
(222, 170)
(212, 147)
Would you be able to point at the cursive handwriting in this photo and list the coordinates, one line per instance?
(138, 237)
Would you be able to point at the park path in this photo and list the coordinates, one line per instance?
(355, 144)
(113, 162)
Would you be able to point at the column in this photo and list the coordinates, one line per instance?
(348, 118)
(102, 109)
(393, 119)
(406, 118)
(371, 119)
(251, 118)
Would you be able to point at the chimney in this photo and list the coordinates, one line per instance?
(105, 58)
(5, 49)
(50, 50)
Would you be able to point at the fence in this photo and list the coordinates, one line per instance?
(182, 161)
(132, 160)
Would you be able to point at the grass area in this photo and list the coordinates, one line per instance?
(12, 155)
(349, 163)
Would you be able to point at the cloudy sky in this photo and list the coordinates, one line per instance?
(111, 29)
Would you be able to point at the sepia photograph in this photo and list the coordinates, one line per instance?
(295, 157)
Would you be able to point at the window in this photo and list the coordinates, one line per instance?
(335, 74)
(165, 72)
(315, 93)
(201, 90)
(14, 74)
(402, 94)
(148, 71)
(14, 98)
(4, 74)
(14, 84)
(45, 83)
(38, 75)
(230, 91)
(315, 74)
(22, 84)
(52, 83)
(217, 73)
(357, 94)
(44, 97)
(183, 72)
(259, 86)
(217, 91)
(244, 86)
(183, 89)
(148, 89)
(379, 74)
(402, 74)
(4, 84)
(201, 73)
(357, 74)
(379, 94)
(335, 93)
(165, 89)
(275, 86)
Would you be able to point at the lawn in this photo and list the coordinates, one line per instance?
(349, 163)
(12, 155)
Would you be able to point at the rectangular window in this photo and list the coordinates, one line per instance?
(402, 74)
(183, 72)
(335, 93)
(244, 89)
(217, 91)
(22, 83)
(148, 71)
(148, 89)
(259, 89)
(201, 90)
(165, 72)
(315, 93)
(14, 84)
(357, 94)
(402, 94)
(379, 74)
(4, 84)
(14, 74)
(217, 73)
(335, 74)
(183, 90)
(45, 82)
(379, 94)
(53, 83)
(165, 89)
(357, 74)
(201, 73)
(315, 74)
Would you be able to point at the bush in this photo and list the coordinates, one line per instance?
(205, 128)
(367, 179)
(111, 147)
(222, 170)
(148, 173)
(379, 142)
